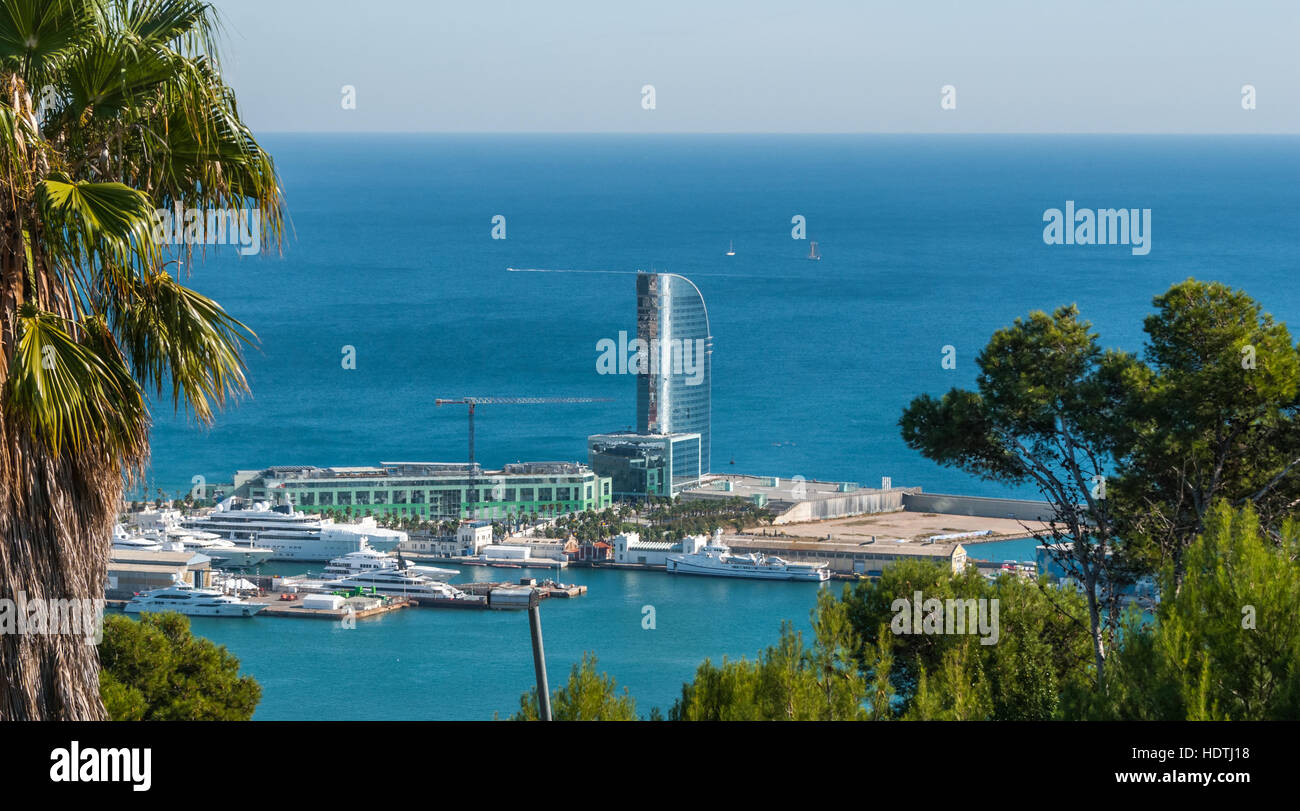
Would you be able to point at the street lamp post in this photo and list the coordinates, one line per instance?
(539, 656)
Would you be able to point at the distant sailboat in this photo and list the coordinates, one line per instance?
(731, 249)
(812, 252)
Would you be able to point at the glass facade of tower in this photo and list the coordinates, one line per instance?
(674, 395)
(641, 465)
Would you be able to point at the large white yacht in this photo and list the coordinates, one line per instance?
(290, 535)
(162, 529)
(191, 601)
(396, 582)
(381, 538)
(717, 559)
(228, 554)
(224, 553)
(367, 560)
(122, 539)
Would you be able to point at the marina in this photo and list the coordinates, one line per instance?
(286, 601)
(481, 661)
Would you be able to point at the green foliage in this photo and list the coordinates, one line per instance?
(957, 691)
(673, 519)
(1046, 401)
(156, 670)
(789, 682)
(1040, 379)
(1043, 642)
(1210, 411)
(1225, 644)
(588, 696)
(726, 693)
(1213, 416)
(113, 110)
(589, 525)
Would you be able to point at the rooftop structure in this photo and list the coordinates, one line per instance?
(797, 499)
(429, 490)
(134, 570)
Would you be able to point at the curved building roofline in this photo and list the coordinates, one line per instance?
(703, 304)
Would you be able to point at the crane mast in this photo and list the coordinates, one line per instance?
(472, 402)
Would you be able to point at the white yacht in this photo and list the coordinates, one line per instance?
(367, 559)
(224, 553)
(716, 558)
(125, 540)
(228, 554)
(290, 535)
(381, 538)
(396, 582)
(195, 602)
(163, 527)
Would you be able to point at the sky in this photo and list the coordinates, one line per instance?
(1014, 66)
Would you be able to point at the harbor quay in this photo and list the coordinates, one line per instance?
(858, 545)
(299, 597)
(480, 594)
(849, 529)
(385, 534)
(865, 545)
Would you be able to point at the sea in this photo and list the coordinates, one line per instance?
(390, 290)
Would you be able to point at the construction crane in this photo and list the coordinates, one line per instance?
(477, 401)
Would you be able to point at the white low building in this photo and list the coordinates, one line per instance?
(504, 552)
(473, 536)
(469, 541)
(445, 546)
(629, 548)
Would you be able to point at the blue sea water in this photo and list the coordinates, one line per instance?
(927, 241)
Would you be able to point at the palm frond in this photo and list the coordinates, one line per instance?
(35, 35)
(97, 224)
(178, 337)
(68, 393)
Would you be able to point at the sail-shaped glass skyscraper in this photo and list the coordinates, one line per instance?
(675, 395)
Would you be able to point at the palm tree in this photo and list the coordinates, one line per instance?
(110, 110)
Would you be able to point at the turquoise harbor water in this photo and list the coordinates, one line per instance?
(926, 242)
(445, 664)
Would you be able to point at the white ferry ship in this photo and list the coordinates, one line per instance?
(717, 559)
(191, 601)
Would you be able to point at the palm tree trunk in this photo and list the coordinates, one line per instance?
(56, 517)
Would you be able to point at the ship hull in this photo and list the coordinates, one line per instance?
(246, 610)
(237, 558)
(680, 565)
